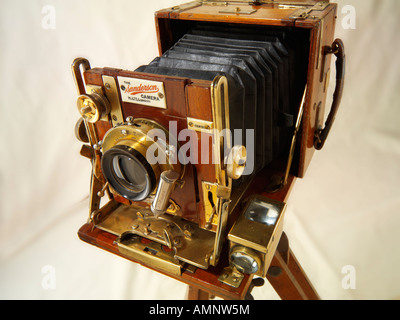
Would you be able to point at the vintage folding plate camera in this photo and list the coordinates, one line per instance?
(185, 196)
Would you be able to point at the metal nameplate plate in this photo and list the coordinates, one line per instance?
(200, 125)
(143, 92)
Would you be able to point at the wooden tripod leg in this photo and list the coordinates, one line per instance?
(197, 294)
(287, 276)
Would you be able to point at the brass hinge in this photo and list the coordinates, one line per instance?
(237, 10)
(186, 6)
(304, 13)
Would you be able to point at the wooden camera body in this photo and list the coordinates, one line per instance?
(198, 151)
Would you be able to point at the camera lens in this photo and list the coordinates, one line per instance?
(128, 173)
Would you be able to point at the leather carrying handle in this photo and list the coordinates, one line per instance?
(337, 49)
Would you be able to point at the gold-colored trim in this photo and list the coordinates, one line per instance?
(190, 243)
(200, 125)
(231, 276)
(91, 88)
(111, 88)
(186, 6)
(220, 110)
(151, 254)
(210, 210)
(304, 13)
(173, 207)
(238, 10)
(282, 4)
(247, 243)
(79, 66)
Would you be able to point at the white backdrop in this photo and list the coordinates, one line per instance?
(344, 213)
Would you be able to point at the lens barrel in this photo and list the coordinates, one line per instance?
(128, 172)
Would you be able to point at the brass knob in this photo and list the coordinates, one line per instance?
(236, 162)
(93, 106)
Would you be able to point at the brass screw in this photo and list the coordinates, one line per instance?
(86, 110)
(138, 213)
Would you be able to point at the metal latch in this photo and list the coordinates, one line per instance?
(304, 13)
